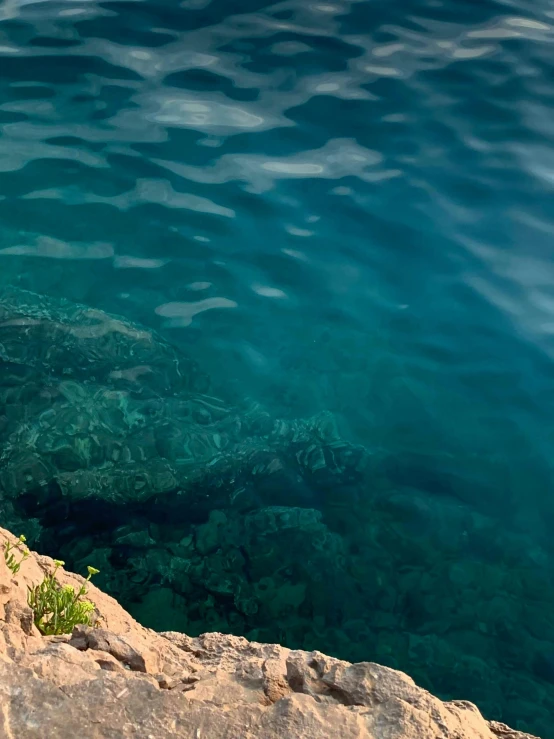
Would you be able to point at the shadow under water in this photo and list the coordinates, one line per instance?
(208, 515)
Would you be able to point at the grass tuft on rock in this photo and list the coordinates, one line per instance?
(15, 554)
(57, 609)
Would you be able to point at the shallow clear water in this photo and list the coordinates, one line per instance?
(332, 206)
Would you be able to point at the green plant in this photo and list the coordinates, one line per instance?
(58, 608)
(10, 553)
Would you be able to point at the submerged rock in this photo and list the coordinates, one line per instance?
(68, 339)
(95, 407)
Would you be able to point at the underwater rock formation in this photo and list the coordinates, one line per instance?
(108, 439)
(94, 406)
(67, 339)
(126, 681)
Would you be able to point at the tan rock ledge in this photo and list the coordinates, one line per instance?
(122, 680)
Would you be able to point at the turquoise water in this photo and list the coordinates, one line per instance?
(340, 207)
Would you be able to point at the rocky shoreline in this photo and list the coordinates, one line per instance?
(122, 680)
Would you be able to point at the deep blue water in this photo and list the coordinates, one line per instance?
(344, 206)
